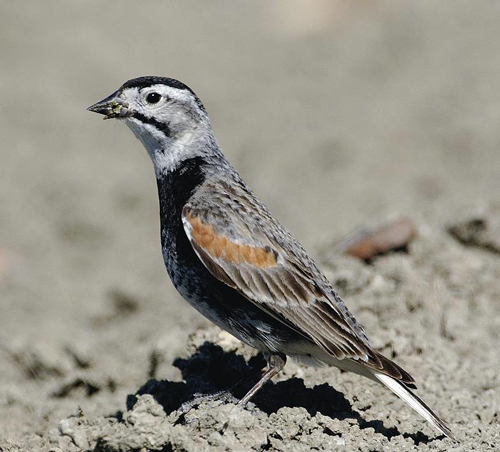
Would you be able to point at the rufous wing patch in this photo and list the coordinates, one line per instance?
(221, 247)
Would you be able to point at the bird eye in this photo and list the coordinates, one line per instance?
(153, 98)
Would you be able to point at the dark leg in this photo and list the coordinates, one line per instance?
(276, 363)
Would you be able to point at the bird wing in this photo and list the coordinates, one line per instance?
(243, 246)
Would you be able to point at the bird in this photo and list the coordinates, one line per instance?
(231, 259)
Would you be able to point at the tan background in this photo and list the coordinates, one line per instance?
(337, 113)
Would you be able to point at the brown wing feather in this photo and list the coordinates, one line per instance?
(281, 286)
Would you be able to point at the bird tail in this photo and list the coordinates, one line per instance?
(402, 391)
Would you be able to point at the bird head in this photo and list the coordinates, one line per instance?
(163, 113)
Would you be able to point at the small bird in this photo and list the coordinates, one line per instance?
(230, 258)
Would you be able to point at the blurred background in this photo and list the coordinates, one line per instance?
(337, 114)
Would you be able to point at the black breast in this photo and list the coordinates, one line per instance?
(174, 190)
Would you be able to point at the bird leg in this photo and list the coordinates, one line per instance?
(275, 363)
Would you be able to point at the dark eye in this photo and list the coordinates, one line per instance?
(153, 98)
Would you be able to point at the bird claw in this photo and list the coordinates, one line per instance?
(198, 399)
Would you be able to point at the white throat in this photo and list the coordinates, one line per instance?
(166, 152)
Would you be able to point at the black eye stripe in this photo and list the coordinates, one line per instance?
(153, 122)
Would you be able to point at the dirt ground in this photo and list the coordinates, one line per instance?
(340, 115)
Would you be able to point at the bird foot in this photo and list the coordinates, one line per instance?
(222, 396)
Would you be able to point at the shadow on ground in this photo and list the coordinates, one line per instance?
(211, 370)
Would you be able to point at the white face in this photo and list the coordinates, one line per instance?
(170, 122)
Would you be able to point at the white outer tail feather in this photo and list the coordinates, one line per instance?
(415, 402)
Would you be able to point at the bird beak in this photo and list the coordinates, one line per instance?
(111, 107)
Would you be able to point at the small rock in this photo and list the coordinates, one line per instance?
(478, 232)
(367, 244)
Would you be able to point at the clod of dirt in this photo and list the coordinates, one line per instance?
(478, 232)
(367, 244)
(41, 363)
(86, 385)
(122, 306)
